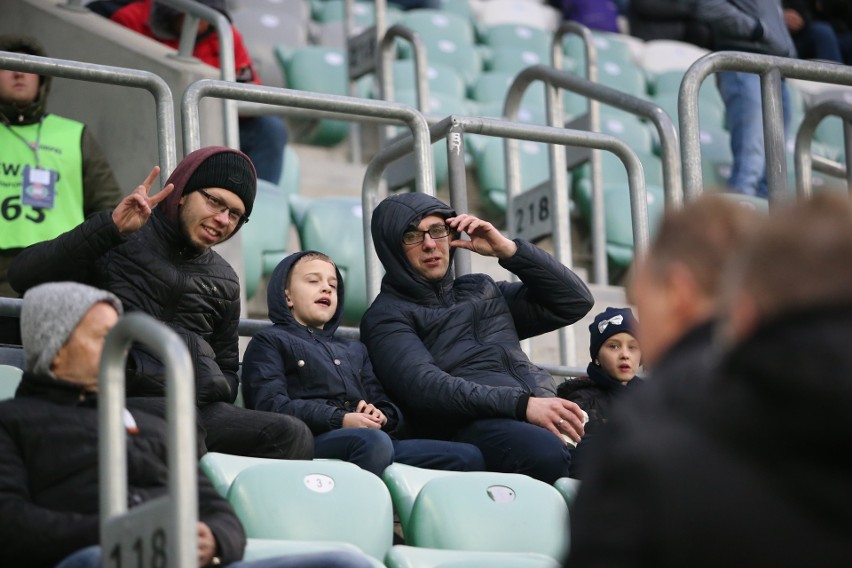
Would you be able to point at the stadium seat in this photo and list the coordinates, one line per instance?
(493, 512)
(264, 24)
(315, 501)
(438, 24)
(513, 59)
(10, 378)
(568, 487)
(491, 169)
(669, 83)
(441, 79)
(452, 52)
(663, 55)
(320, 222)
(404, 483)
(402, 556)
(613, 171)
(319, 69)
(222, 469)
(711, 113)
(521, 37)
(266, 236)
(716, 156)
(260, 548)
(518, 12)
(459, 7)
(291, 175)
(627, 127)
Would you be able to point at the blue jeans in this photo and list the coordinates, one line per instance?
(818, 41)
(373, 450)
(741, 93)
(512, 446)
(91, 558)
(263, 139)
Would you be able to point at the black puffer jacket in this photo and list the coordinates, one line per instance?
(49, 476)
(596, 394)
(156, 271)
(448, 352)
(750, 469)
(308, 373)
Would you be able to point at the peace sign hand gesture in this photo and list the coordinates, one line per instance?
(134, 210)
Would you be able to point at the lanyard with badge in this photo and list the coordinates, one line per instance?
(38, 185)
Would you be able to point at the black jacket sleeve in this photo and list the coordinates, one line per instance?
(217, 513)
(376, 396)
(549, 295)
(70, 256)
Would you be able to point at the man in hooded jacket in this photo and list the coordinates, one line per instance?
(155, 254)
(447, 349)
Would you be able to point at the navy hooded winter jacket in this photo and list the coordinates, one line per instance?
(309, 373)
(449, 352)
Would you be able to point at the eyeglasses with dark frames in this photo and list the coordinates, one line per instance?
(414, 236)
(215, 204)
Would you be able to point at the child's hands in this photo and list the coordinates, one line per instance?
(358, 420)
(370, 410)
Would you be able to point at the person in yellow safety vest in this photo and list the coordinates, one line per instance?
(53, 173)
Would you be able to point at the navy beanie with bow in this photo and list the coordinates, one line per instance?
(608, 323)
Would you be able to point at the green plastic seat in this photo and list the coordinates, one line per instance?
(266, 236)
(513, 59)
(320, 224)
(322, 70)
(490, 512)
(440, 24)
(711, 112)
(627, 127)
(10, 378)
(519, 36)
(442, 79)
(315, 501)
(291, 176)
(402, 556)
(491, 169)
(404, 483)
(613, 171)
(222, 469)
(260, 548)
(567, 487)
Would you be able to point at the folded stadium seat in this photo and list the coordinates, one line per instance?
(490, 89)
(314, 219)
(710, 112)
(291, 175)
(716, 156)
(619, 228)
(10, 378)
(260, 548)
(568, 487)
(519, 12)
(441, 79)
(319, 69)
(490, 512)
(464, 57)
(513, 59)
(521, 37)
(669, 82)
(404, 483)
(491, 169)
(618, 48)
(328, 26)
(402, 556)
(264, 24)
(315, 501)
(459, 7)
(439, 24)
(265, 237)
(624, 76)
(663, 55)
(222, 469)
(626, 127)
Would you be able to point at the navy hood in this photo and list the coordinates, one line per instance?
(276, 303)
(393, 216)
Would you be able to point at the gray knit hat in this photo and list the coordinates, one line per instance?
(49, 315)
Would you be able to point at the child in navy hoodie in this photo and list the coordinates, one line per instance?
(298, 367)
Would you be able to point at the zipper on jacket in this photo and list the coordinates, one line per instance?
(511, 368)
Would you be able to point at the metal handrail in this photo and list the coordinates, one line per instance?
(182, 502)
(804, 137)
(771, 70)
(120, 76)
(227, 64)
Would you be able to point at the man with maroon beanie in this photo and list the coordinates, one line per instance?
(155, 253)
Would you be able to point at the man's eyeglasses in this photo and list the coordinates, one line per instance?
(414, 236)
(215, 204)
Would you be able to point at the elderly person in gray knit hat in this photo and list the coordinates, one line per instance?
(49, 448)
(155, 253)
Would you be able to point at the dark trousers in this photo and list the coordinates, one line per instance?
(262, 139)
(373, 450)
(233, 430)
(512, 446)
